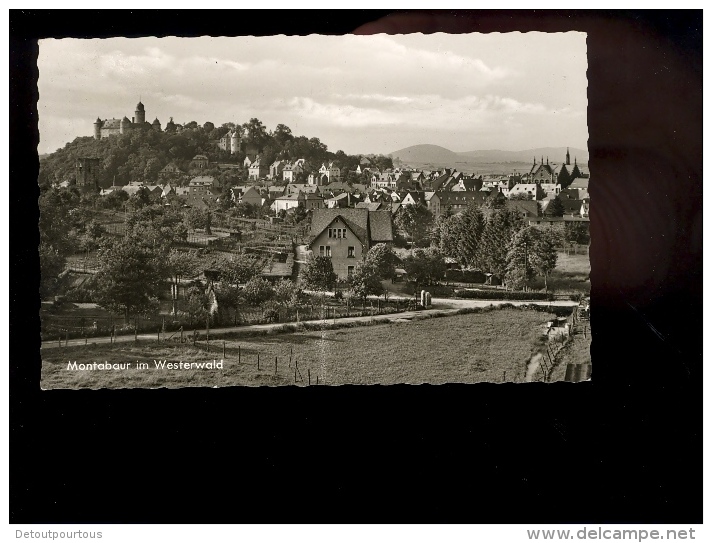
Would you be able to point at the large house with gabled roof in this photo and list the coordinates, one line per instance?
(346, 235)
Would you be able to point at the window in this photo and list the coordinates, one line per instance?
(352, 251)
(327, 251)
(350, 270)
(321, 250)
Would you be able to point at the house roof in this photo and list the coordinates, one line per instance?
(571, 205)
(171, 168)
(356, 220)
(461, 198)
(251, 193)
(381, 226)
(373, 206)
(202, 180)
(527, 207)
(367, 225)
(579, 183)
(111, 123)
(311, 196)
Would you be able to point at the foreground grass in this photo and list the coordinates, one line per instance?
(491, 346)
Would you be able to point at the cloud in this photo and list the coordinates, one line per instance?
(350, 87)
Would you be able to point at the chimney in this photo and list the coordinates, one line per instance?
(133, 120)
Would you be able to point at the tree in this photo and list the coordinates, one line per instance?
(425, 266)
(383, 259)
(208, 127)
(365, 281)
(257, 291)
(92, 236)
(501, 225)
(141, 198)
(545, 255)
(179, 264)
(286, 293)
(150, 172)
(415, 220)
(115, 200)
(521, 196)
(555, 208)
(199, 218)
(318, 274)
(240, 269)
(282, 134)
(56, 239)
(129, 276)
(495, 201)
(520, 263)
(577, 232)
(256, 133)
(197, 303)
(468, 228)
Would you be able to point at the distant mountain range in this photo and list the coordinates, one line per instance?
(436, 155)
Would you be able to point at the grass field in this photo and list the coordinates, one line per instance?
(491, 346)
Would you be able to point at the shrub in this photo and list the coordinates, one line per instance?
(502, 295)
(466, 276)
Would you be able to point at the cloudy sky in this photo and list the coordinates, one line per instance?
(361, 94)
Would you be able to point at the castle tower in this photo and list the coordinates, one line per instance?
(124, 125)
(140, 114)
(568, 157)
(97, 129)
(234, 142)
(87, 174)
(156, 125)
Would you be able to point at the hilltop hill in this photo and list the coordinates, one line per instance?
(426, 153)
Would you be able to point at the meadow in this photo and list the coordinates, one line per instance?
(493, 345)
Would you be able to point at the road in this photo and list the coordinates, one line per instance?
(440, 305)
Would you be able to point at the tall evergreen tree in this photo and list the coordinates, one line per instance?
(496, 236)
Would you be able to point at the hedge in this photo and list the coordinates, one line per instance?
(502, 295)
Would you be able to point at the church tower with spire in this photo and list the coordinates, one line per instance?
(568, 157)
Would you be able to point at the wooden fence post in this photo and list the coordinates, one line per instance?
(195, 333)
(60, 341)
(159, 335)
(238, 354)
(275, 365)
(258, 361)
(309, 376)
(223, 349)
(66, 335)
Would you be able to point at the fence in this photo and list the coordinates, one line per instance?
(89, 326)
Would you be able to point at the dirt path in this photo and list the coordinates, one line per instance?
(440, 305)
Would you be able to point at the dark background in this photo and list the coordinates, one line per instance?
(626, 447)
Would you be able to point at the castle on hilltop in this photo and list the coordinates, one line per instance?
(112, 127)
